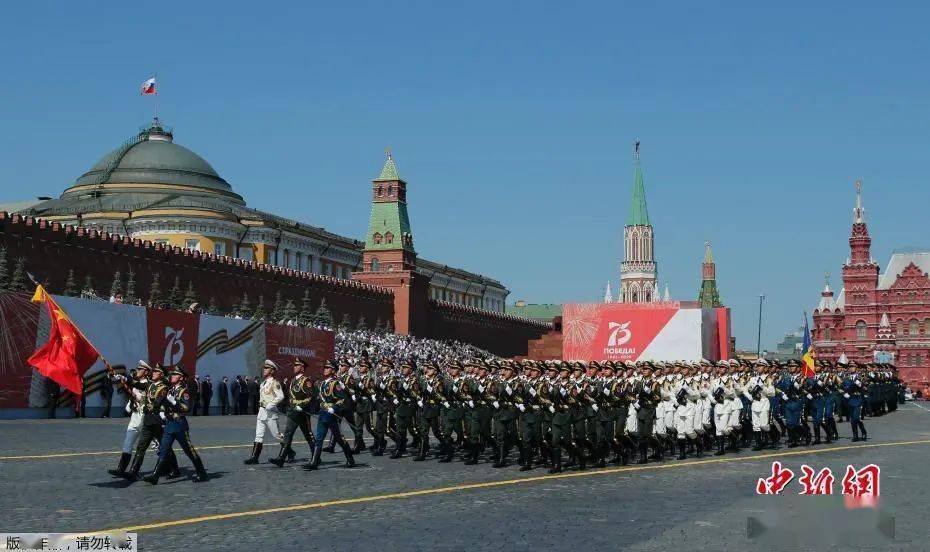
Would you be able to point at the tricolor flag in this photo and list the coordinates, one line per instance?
(67, 354)
(807, 352)
(148, 87)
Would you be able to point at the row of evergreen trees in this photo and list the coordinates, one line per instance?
(124, 289)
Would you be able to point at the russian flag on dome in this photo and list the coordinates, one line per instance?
(148, 87)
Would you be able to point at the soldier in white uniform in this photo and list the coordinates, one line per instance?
(760, 408)
(270, 395)
(134, 409)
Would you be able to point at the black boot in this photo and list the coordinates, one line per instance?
(134, 468)
(421, 455)
(378, 448)
(855, 432)
(331, 448)
(200, 474)
(527, 463)
(282, 456)
(643, 451)
(758, 445)
(720, 445)
(359, 446)
(347, 450)
(448, 451)
(682, 451)
(816, 434)
(474, 451)
(556, 460)
(315, 459)
(699, 447)
(400, 447)
(827, 434)
(160, 469)
(121, 467)
(865, 434)
(256, 451)
(501, 461)
(792, 437)
(291, 455)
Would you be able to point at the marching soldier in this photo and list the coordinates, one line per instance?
(300, 391)
(384, 396)
(333, 396)
(430, 401)
(452, 416)
(363, 389)
(406, 392)
(270, 396)
(505, 419)
(154, 391)
(174, 407)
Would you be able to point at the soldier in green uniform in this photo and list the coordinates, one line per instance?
(430, 401)
(505, 405)
(385, 395)
(533, 402)
(154, 391)
(647, 399)
(579, 413)
(605, 418)
(562, 402)
(299, 393)
(485, 406)
(474, 402)
(406, 393)
(363, 389)
(452, 416)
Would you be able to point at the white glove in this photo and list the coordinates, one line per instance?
(636, 405)
(521, 407)
(406, 386)
(330, 410)
(396, 402)
(471, 403)
(551, 409)
(797, 385)
(508, 390)
(532, 392)
(129, 408)
(455, 388)
(381, 385)
(845, 395)
(171, 399)
(783, 396)
(420, 403)
(446, 404)
(353, 397)
(298, 409)
(481, 389)
(496, 404)
(594, 407)
(162, 416)
(564, 392)
(809, 397)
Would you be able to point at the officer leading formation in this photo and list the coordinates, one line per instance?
(555, 414)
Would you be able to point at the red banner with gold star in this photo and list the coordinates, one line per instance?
(67, 354)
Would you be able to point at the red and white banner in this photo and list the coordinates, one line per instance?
(314, 347)
(665, 331)
(172, 338)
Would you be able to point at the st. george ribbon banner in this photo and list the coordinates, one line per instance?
(124, 334)
(662, 331)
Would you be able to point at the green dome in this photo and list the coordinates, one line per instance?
(153, 158)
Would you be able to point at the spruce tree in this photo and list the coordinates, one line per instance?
(305, 317)
(245, 307)
(277, 312)
(259, 313)
(4, 272)
(71, 285)
(388, 327)
(379, 326)
(290, 311)
(346, 322)
(18, 283)
(130, 297)
(155, 293)
(323, 316)
(211, 308)
(89, 287)
(116, 288)
(190, 297)
(175, 299)
(362, 323)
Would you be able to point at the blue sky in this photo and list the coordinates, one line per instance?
(513, 124)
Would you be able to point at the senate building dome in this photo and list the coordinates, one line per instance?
(153, 189)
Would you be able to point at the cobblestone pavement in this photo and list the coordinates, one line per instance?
(388, 504)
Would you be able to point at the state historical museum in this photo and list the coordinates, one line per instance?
(878, 317)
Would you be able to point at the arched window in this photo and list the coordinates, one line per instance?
(375, 264)
(389, 238)
(377, 238)
(634, 293)
(860, 330)
(899, 327)
(913, 327)
(826, 334)
(379, 191)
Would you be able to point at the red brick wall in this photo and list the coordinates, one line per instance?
(501, 334)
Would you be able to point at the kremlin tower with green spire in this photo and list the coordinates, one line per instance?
(638, 271)
(709, 297)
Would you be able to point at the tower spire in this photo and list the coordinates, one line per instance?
(638, 271)
(859, 211)
(639, 214)
(709, 296)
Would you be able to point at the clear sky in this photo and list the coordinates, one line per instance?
(513, 124)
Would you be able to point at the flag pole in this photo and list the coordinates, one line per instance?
(156, 96)
(106, 363)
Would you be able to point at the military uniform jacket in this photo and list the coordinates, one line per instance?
(300, 392)
(364, 394)
(332, 394)
(151, 405)
(505, 393)
(176, 414)
(648, 399)
(432, 396)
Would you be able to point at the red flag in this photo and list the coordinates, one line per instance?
(67, 354)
